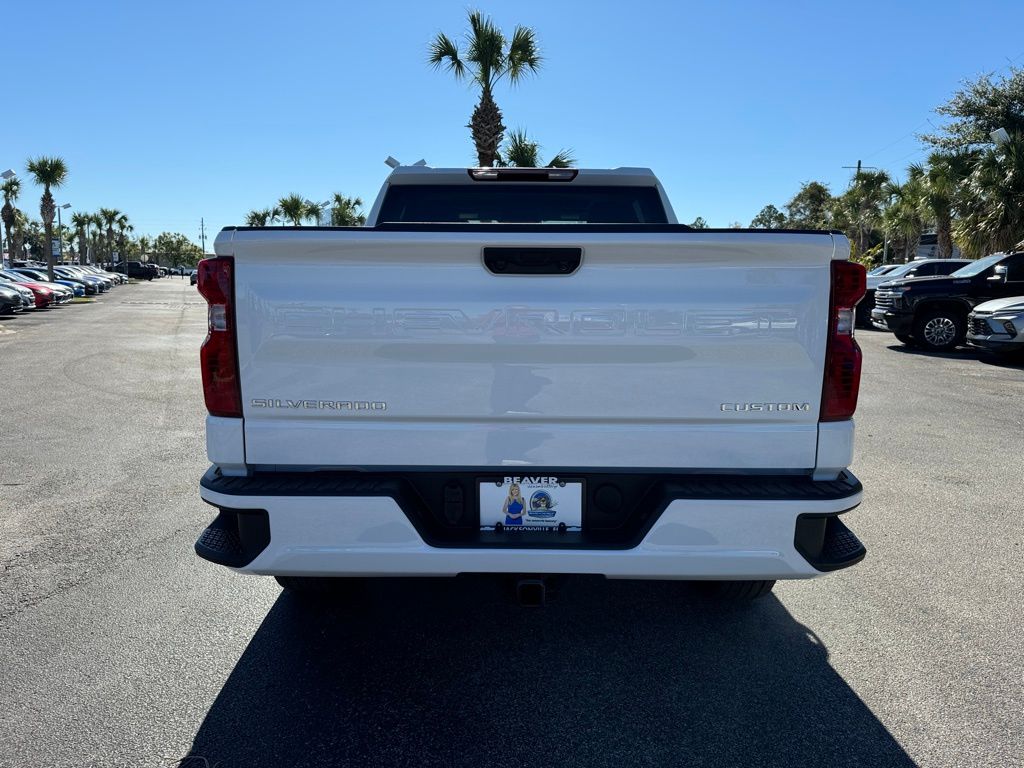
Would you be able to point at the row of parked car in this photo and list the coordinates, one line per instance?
(940, 304)
(27, 285)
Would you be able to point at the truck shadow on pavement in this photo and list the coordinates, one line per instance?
(963, 353)
(448, 672)
(960, 353)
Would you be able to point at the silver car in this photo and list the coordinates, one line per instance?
(998, 326)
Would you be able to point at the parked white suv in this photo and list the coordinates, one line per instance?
(530, 371)
(998, 326)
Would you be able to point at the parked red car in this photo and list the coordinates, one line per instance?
(45, 296)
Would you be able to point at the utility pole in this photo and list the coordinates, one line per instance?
(202, 234)
(858, 166)
(856, 180)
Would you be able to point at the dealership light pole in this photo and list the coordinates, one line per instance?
(60, 231)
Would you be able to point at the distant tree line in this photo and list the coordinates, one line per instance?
(295, 209)
(87, 237)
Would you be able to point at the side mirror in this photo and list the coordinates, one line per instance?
(999, 276)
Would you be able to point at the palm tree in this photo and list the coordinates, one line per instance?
(10, 190)
(21, 225)
(95, 220)
(523, 152)
(108, 220)
(313, 212)
(257, 217)
(144, 244)
(123, 228)
(81, 222)
(860, 207)
(345, 211)
(938, 187)
(293, 208)
(991, 201)
(487, 58)
(49, 173)
(902, 219)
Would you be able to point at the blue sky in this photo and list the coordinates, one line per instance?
(177, 111)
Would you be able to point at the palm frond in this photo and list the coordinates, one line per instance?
(48, 171)
(445, 53)
(564, 159)
(521, 151)
(990, 202)
(257, 218)
(485, 47)
(344, 211)
(313, 211)
(523, 55)
(293, 208)
(10, 189)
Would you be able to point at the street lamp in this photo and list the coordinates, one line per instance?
(8, 174)
(1000, 136)
(60, 230)
(323, 207)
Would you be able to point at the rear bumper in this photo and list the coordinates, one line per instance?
(358, 524)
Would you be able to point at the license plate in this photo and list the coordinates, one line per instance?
(535, 503)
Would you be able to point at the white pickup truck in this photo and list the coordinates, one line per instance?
(530, 372)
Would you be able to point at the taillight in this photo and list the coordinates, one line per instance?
(219, 353)
(842, 355)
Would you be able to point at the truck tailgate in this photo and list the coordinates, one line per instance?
(400, 348)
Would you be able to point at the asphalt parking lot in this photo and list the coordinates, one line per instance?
(119, 648)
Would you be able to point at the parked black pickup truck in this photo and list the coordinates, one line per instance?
(931, 312)
(138, 269)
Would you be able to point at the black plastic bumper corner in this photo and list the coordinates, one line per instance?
(826, 543)
(235, 537)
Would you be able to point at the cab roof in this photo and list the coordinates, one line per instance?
(422, 174)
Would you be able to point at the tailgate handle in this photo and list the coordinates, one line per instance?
(532, 261)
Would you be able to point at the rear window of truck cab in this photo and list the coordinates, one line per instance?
(543, 203)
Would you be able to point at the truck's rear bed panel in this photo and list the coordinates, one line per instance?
(400, 349)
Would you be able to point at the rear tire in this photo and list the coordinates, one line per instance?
(940, 330)
(906, 338)
(736, 591)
